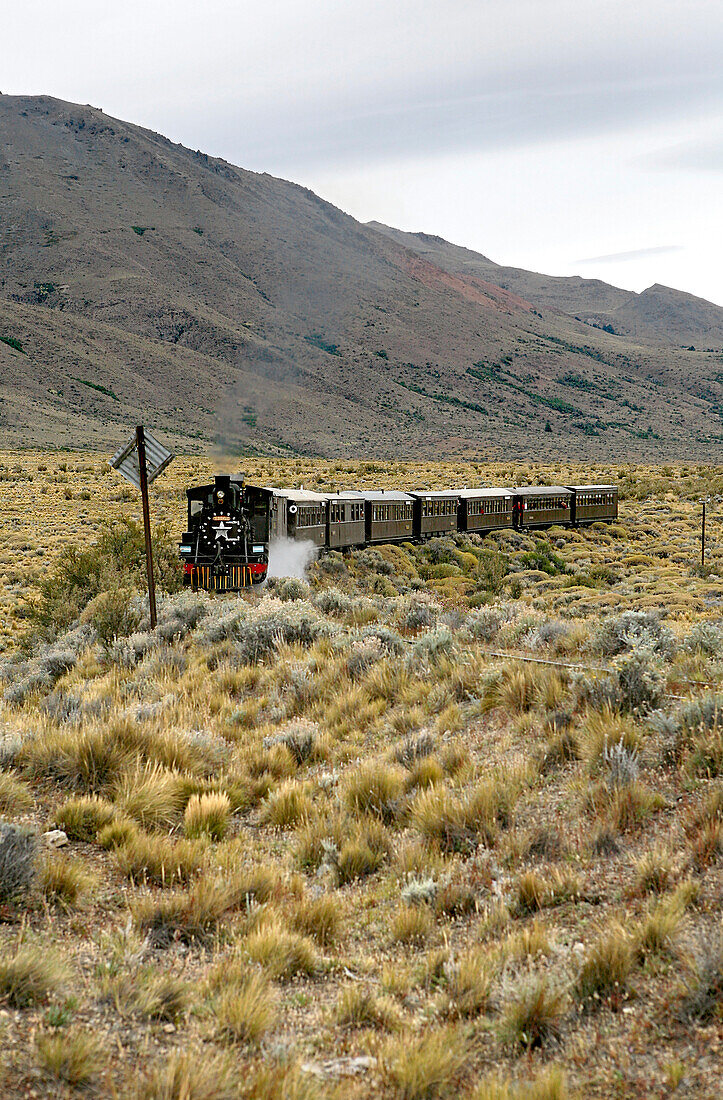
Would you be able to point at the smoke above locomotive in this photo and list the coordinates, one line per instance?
(231, 524)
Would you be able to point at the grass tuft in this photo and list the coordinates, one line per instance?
(191, 917)
(359, 1007)
(83, 818)
(72, 1057)
(15, 796)
(467, 985)
(188, 1075)
(159, 860)
(64, 880)
(606, 969)
(245, 1012)
(377, 788)
(151, 795)
(412, 925)
(319, 918)
(282, 953)
(207, 815)
(30, 976)
(534, 1016)
(425, 1067)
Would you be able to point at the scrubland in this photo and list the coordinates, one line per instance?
(436, 821)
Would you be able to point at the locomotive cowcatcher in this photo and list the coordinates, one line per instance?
(226, 545)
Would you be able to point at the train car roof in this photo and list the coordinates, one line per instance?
(597, 488)
(376, 495)
(541, 490)
(433, 494)
(473, 494)
(302, 495)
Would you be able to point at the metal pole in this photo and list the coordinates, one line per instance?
(702, 538)
(141, 444)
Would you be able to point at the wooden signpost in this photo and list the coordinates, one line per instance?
(141, 461)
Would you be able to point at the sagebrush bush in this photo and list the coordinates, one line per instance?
(640, 680)
(112, 615)
(702, 983)
(705, 637)
(18, 855)
(81, 573)
(301, 738)
(256, 639)
(621, 765)
(634, 630)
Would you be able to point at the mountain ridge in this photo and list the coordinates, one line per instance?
(555, 291)
(141, 279)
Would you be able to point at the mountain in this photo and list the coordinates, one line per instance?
(140, 280)
(659, 315)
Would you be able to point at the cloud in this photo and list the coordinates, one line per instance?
(283, 86)
(635, 254)
(705, 154)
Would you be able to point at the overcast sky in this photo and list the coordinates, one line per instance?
(566, 136)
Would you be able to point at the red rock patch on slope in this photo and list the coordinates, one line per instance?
(468, 286)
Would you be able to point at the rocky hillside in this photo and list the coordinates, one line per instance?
(141, 279)
(659, 315)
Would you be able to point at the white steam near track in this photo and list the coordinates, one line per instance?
(288, 558)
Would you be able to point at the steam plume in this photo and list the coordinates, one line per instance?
(288, 558)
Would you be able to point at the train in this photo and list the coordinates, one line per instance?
(232, 524)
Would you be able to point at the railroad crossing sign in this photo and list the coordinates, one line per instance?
(132, 461)
(126, 460)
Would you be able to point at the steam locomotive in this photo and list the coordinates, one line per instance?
(231, 524)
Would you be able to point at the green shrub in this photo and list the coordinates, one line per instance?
(116, 560)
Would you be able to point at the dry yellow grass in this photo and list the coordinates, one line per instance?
(384, 823)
